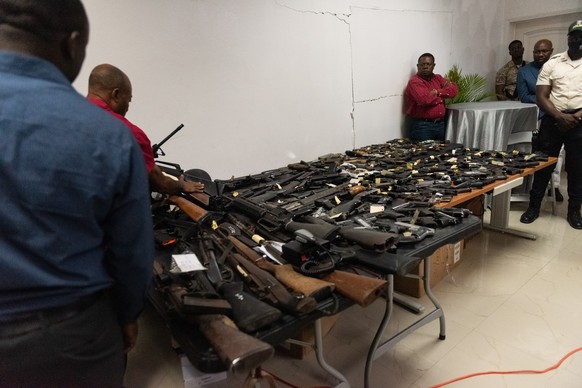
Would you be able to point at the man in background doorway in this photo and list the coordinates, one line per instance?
(506, 77)
(559, 95)
(425, 101)
(526, 91)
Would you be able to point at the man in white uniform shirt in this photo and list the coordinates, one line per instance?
(559, 95)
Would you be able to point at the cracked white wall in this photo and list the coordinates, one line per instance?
(386, 44)
(259, 84)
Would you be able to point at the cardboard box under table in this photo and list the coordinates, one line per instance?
(442, 263)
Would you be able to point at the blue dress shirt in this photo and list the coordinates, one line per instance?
(527, 77)
(74, 212)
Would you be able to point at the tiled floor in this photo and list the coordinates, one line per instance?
(511, 304)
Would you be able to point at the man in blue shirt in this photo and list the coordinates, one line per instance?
(528, 74)
(76, 240)
(526, 91)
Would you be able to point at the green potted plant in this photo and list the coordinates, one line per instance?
(472, 87)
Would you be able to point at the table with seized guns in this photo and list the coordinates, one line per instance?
(284, 247)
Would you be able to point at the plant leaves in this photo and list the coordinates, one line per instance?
(472, 87)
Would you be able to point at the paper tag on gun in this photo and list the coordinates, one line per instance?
(186, 263)
(375, 208)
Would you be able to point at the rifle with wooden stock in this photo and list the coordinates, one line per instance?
(312, 287)
(308, 286)
(261, 282)
(238, 351)
(361, 289)
(249, 313)
(214, 290)
(193, 211)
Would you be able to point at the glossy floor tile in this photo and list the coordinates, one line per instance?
(510, 304)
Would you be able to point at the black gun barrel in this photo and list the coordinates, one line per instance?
(156, 147)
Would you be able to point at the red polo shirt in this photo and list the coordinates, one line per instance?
(140, 136)
(421, 104)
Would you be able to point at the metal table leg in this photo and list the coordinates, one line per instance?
(377, 349)
(321, 360)
(500, 210)
(318, 347)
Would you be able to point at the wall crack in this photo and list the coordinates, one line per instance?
(342, 17)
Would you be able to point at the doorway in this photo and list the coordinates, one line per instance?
(554, 28)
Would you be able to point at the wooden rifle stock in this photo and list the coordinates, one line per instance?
(268, 287)
(312, 287)
(361, 289)
(238, 351)
(193, 211)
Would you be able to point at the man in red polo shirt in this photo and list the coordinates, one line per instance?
(425, 101)
(110, 89)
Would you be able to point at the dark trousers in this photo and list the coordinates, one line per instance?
(421, 130)
(550, 140)
(83, 350)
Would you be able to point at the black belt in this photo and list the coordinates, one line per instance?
(431, 120)
(33, 320)
(570, 111)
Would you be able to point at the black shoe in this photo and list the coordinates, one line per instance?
(530, 215)
(558, 195)
(575, 219)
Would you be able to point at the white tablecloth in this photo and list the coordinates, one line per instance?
(488, 125)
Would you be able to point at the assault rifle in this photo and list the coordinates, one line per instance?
(273, 217)
(238, 351)
(367, 238)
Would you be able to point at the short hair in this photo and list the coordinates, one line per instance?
(546, 41)
(106, 77)
(46, 19)
(514, 41)
(426, 55)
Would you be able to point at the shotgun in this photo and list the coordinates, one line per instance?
(315, 288)
(238, 351)
(268, 288)
(265, 285)
(363, 290)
